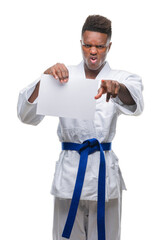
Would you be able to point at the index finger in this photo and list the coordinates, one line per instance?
(53, 72)
(99, 94)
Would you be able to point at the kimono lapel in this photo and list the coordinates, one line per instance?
(102, 74)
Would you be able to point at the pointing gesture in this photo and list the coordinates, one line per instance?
(110, 87)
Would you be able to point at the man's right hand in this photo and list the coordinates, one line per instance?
(59, 72)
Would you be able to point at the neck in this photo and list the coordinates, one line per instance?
(92, 74)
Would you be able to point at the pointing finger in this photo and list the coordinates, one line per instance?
(99, 94)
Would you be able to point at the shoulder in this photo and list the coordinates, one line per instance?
(122, 75)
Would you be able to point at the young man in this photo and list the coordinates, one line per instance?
(88, 184)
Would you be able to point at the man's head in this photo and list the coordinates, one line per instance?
(97, 23)
(96, 36)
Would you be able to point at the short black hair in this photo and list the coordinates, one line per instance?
(97, 23)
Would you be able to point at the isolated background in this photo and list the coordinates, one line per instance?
(37, 34)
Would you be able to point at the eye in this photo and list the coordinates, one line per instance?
(87, 45)
(100, 46)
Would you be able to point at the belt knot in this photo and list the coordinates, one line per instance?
(91, 144)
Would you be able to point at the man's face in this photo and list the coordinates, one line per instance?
(95, 46)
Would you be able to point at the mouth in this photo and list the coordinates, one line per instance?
(93, 60)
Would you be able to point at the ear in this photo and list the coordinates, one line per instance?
(109, 46)
(81, 44)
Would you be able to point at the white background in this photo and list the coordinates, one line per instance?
(35, 35)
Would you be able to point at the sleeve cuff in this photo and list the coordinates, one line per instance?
(29, 91)
(134, 84)
(123, 108)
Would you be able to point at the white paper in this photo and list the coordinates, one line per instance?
(74, 99)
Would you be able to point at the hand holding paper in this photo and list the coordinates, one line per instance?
(74, 99)
(59, 71)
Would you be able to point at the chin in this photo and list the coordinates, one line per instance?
(93, 67)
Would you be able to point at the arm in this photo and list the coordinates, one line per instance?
(35, 93)
(28, 97)
(113, 89)
(26, 110)
(125, 96)
(126, 93)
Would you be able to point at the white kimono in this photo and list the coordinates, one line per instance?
(102, 127)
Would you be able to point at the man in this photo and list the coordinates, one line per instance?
(88, 194)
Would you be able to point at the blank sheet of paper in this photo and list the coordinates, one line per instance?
(74, 99)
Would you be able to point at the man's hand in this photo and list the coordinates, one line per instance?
(59, 72)
(110, 87)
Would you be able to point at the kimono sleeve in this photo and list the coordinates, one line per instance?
(134, 84)
(26, 111)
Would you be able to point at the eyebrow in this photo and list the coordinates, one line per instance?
(87, 43)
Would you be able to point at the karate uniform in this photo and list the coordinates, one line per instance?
(103, 128)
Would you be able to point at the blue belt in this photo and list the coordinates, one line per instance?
(88, 147)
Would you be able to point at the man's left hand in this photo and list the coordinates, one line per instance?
(110, 87)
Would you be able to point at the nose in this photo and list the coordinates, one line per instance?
(93, 50)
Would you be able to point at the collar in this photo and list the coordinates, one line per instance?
(101, 75)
